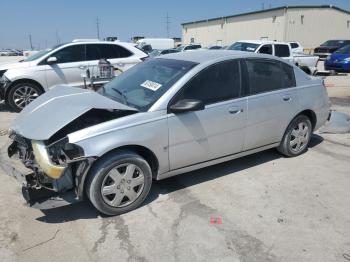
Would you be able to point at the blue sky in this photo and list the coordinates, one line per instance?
(69, 19)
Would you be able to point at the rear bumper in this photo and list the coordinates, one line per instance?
(338, 67)
(322, 56)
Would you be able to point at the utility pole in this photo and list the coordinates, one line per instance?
(167, 24)
(30, 42)
(58, 40)
(98, 28)
(263, 5)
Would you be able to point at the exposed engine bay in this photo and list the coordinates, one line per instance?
(57, 165)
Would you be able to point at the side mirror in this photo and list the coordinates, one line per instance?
(51, 60)
(187, 105)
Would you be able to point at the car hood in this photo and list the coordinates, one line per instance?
(339, 57)
(14, 65)
(58, 107)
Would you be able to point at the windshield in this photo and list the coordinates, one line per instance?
(40, 53)
(344, 50)
(243, 46)
(333, 43)
(141, 86)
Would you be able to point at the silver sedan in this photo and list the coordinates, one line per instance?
(166, 116)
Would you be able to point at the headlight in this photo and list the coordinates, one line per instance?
(43, 160)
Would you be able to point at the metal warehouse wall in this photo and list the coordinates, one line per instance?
(267, 25)
(310, 26)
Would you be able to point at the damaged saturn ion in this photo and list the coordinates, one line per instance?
(166, 116)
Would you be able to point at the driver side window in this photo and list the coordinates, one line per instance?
(216, 83)
(70, 54)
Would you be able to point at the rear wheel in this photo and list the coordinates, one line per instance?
(119, 183)
(297, 137)
(22, 94)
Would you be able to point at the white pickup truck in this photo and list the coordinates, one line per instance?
(308, 63)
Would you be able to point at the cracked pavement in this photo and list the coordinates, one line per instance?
(271, 209)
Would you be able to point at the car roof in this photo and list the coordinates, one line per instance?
(203, 56)
(260, 42)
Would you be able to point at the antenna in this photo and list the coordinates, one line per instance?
(98, 27)
(167, 24)
(30, 42)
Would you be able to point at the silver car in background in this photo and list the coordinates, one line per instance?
(166, 116)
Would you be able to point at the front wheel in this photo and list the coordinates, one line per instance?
(22, 94)
(297, 137)
(119, 183)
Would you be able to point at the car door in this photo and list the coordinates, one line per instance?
(121, 58)
(216, 131)
(68, 68)
(272, 103)
(283, 51)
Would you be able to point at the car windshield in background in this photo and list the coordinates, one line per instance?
(333, 43)
(40, 54)
(243, 46)
(141, 86)
(344, 50)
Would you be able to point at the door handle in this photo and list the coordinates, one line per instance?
(287, 98)
(235, 111)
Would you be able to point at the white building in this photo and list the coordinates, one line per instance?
(310, 25)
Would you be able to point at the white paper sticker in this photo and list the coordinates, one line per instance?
(151, 85)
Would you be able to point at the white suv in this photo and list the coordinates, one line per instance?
(24, 81)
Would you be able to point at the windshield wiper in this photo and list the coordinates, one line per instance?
(122, 95)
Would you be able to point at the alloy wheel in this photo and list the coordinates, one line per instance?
(299, 137)
(122, 185)
(24, 95)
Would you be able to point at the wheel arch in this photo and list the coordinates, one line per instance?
(311, 115)
(23, 80)
(143, 151)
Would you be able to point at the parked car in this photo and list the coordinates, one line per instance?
(156, 43)
(328, 47)
(307, 63)
(155, 53)
(339, 61)
(190, 47)
(166, 116)
(214, 47)
(296, 47)
(22, 82)
(8, 52)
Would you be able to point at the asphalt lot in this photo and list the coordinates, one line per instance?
(266, 208)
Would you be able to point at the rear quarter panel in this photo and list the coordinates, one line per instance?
(313, 96)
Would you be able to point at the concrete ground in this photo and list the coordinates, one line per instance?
(266, 208)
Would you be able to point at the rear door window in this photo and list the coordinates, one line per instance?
(267, 75)
(282, 50)
(106, 51)
(265, 49)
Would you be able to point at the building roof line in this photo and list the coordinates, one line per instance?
(268, 10)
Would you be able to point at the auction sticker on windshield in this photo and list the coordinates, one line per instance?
(151, 85)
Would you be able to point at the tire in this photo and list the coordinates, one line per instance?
(110, 175)
(297, 137)
(21, 94)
